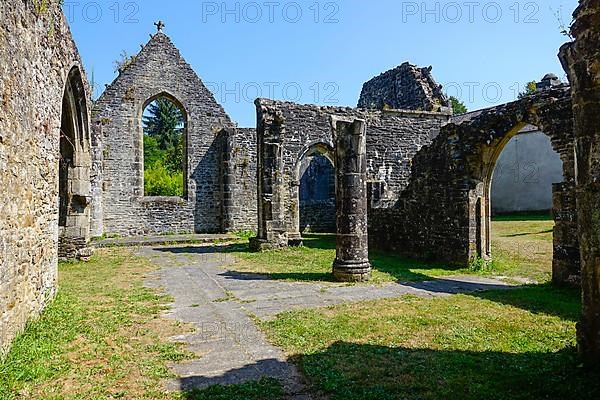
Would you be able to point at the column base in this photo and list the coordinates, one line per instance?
(258, 245)
(351, 272)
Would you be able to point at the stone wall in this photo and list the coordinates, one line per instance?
(406, 87)
(290, 132)
(581, 60)
(444, 213)
(37, 59)
(239, 186)
(159, 70)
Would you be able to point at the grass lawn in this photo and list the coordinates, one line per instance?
(313, 262)
(103, 338)
(497, 345)
(521, 247)
(517, 344)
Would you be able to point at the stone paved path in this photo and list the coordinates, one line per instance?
(220, 304)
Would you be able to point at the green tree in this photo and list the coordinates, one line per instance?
(529, 89)
(152, 152)
(458, 106)
(164, 122)
(158, 181)
(174, 156)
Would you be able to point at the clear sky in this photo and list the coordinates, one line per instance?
(322, 51)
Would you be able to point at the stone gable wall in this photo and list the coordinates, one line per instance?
(157, 70)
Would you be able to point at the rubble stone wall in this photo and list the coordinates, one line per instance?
(157, 71)
(290, 132)
(444, 213)
(37, 57)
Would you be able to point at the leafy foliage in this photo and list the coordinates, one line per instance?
(458, 106)
(163, 149)
(159, 181)
(164, 122)
(529, 89)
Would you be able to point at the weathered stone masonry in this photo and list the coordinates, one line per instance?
(444, 213)
(581, 60)
(44, 134)
(429, 174)
(288, 133)
(220, 160)
(406, 87)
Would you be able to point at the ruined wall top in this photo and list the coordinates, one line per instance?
(406, 87)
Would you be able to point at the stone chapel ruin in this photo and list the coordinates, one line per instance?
(410, 177)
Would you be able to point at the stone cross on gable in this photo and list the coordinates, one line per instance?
(159, 25)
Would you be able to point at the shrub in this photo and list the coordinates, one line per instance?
(158, 181)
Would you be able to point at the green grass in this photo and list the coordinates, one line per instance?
(313, 262)
(265, 389)
(497, 345)
(521, 248)
(100, 338)
(526, 216)
(103, 338)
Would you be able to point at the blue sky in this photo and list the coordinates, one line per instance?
(322, 51)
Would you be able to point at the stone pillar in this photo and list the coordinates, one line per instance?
(352, 251)
(294, 234)
(581, 60)
(97, 182)
(272, 232)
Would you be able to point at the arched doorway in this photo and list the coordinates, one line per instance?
(317, 195)
(74, 170)
(315, 184)
(521, 203)
(523, 171)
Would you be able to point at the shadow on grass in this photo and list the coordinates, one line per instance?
(348, 371)
(528, 233)
(397, 266)
(357, 371)
(400, 268)
(525, 216)
(539, 299)
(263, 389)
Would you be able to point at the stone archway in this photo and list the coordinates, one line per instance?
(443, 213)
(343, 139)
(481, 196)
(319, 148)
(74, 170)
(550, 118)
